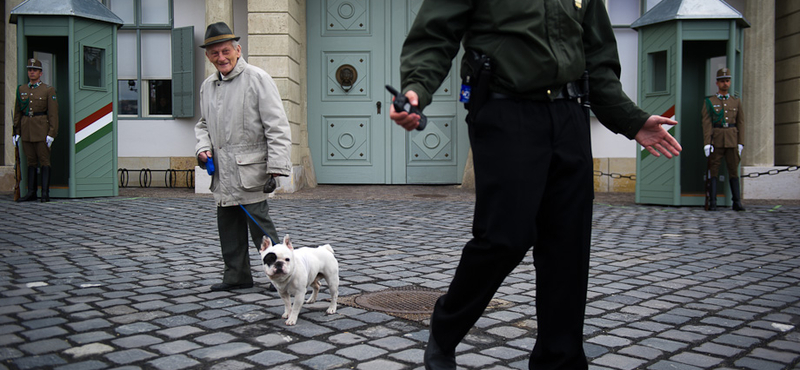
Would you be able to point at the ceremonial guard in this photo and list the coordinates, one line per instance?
(723, 137)
(36, 126)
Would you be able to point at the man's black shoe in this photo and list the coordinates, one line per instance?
(436, 359)
(223, 287)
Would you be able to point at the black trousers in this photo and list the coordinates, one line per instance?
(534, 188)
(233, 224)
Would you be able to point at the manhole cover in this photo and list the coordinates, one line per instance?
(401, 301)
(410, 302)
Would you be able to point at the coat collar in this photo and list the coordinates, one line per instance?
(237, 70)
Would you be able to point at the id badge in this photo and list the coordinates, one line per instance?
(465, 92)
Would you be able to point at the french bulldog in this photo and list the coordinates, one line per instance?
(292, 271)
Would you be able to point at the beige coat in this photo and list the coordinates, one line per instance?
(243, 123)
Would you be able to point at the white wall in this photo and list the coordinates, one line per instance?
(606, 144)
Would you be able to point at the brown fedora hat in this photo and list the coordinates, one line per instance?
(218, 32)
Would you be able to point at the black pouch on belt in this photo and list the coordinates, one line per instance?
(475, 82)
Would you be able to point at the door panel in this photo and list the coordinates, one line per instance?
(346, 134)
(351, 137)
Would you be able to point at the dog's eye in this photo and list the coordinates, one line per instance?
(270, 258)
(287, 260)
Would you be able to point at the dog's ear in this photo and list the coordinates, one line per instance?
(266, 242)
(287, 242)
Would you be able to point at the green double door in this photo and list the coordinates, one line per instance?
(353, 52)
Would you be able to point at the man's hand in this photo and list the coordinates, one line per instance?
(741, 147)
(204, 156)
(656, 139)
(708, 149)
(405, 120)
(49, 139)
(15, 139)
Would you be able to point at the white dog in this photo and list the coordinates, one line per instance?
(292, 271)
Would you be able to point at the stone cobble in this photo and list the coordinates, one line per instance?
(122, 283)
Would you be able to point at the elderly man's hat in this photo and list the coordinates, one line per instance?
(723, 73)
(34, 64)
(218, 32)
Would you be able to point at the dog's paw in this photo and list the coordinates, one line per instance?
(285, 315)
(310, 300)
(331, 310)
(291, 322)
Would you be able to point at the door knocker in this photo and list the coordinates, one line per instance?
(346, 75)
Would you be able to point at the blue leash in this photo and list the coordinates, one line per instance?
(210, 168)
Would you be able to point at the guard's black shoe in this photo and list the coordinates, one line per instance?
(436, 359)
(224, 287)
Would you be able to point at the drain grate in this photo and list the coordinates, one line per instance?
(409, 302)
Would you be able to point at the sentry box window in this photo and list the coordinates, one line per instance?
(659, 71)
(92, 67)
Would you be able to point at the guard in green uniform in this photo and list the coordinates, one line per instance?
(723, 137)
(530, 136)
(36, 126)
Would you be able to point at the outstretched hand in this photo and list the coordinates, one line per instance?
(655, 138)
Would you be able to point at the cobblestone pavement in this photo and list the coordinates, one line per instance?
(122, 283)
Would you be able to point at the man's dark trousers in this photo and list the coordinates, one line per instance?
(534, 187)
(233, 224)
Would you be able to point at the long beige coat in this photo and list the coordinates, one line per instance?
(243, 123)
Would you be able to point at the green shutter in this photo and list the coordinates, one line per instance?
(183, 72)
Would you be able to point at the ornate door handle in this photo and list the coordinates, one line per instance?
(346, 75)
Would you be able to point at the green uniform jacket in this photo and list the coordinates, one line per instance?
(40, 118)
(535, 46)
(724, 137)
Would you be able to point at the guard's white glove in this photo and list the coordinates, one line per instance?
(15, 139)
(49, 140)
(708, 149)
(740, 149)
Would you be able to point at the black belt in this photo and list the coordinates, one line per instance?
(37, 114)
(721, 126)
(569, 91)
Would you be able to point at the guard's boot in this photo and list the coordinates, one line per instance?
(736, 195)
(31, 194)
(712, 195)
(45, 184)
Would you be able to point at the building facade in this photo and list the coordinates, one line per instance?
(330, 60)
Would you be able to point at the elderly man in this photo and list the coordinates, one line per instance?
(243, 130)
(36, 125)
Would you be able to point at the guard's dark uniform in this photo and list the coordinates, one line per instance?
(532, 154)
(36, 118)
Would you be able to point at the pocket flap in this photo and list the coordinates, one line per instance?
(251, 158)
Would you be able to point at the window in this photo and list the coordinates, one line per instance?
(92, 68)
(658, 72)
(144, 65)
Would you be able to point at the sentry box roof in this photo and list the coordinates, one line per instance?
(91, 9)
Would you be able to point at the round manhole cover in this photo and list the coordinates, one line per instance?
(406, 301)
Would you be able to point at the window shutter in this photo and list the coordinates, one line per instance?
(183, 72)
